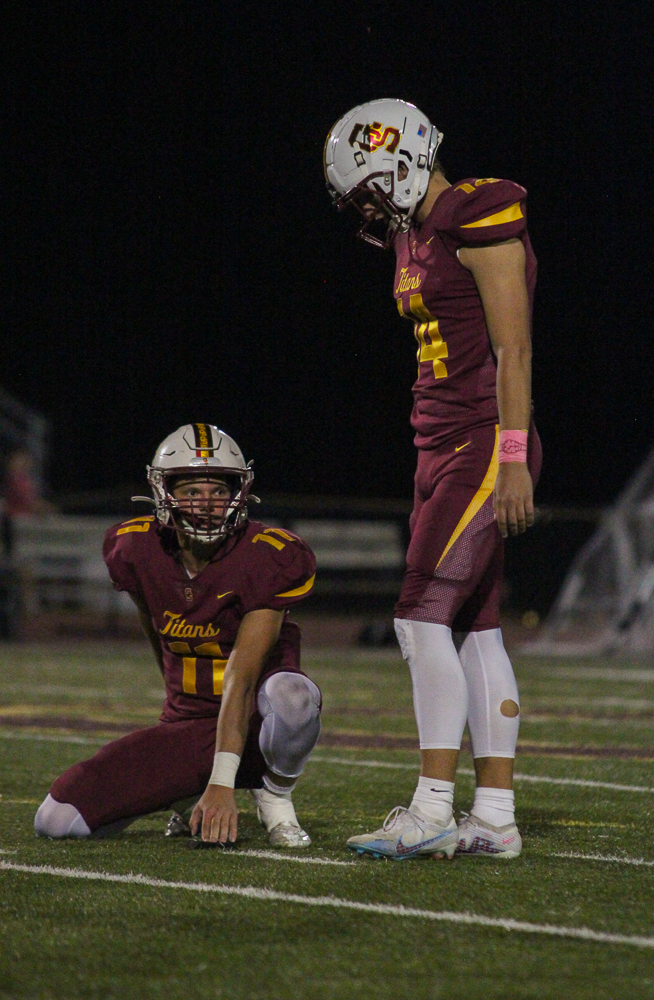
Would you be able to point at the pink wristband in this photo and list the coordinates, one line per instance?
(513, 446)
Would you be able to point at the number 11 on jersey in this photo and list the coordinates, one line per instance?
(427, 324)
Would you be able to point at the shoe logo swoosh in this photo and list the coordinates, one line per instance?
(459, 447)
(218, 596)
(402, 848)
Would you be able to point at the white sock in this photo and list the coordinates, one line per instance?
(274, 807)
(276, 789)
(494, 805)
(59, 819)
(432, 799)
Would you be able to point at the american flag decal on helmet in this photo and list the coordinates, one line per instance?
(203, 440)
(421, 130)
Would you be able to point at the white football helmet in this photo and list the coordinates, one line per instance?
(363, 152)
(202, 452)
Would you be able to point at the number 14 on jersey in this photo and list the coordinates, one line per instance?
(426, 325)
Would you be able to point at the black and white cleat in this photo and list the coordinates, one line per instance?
(198, 844)
(177, 827)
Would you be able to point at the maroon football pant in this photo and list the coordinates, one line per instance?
(150, 769)
(456, 554)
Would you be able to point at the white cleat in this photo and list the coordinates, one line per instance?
(476, 836)
(407, 834)
(277, 814)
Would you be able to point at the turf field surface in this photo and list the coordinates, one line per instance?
(142, 916)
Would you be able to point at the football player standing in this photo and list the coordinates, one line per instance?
(465, 277)
(212, 590)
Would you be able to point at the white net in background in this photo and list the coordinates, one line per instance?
(606, 604)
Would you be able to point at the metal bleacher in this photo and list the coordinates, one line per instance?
(55, 570)
(22, 427)
(59, 563)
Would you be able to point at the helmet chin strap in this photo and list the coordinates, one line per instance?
(416, 180)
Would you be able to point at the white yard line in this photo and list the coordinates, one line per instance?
(269, 855)
(634, 675)
(606, 857)
(580, 782)
(43, 737)
(581, 720)
(278, 856)
(469, 771)
(333, 902)
(539, 778)
(536, 705)
(314, 759)
(67, 690)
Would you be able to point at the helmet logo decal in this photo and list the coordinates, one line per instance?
(375, 136)
(203, 441)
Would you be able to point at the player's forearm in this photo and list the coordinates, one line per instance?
(500, 275)
(514, 385)
(235, 712)
(257, 635)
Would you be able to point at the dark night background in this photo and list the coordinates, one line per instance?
(170, 252)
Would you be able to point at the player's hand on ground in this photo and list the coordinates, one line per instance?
(215, 816)
(513, 499)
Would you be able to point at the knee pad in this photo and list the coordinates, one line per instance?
(59, 819)
(440, 695)
(289, 704)
(494, 706)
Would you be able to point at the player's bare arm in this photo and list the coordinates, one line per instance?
(499, 273)
(216, 813)
(145, 621)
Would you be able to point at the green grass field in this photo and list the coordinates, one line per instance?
(226, 927)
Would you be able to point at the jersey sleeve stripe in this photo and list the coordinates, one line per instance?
(510, 214)
(480, 497)
(304, 589)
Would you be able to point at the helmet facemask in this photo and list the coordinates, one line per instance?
(204, 519)
(377, 208)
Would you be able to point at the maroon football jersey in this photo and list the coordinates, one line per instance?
(197, 619)
(455, 388)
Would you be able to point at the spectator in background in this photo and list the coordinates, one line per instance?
(22, 491)
(5, 575)
(21, 497)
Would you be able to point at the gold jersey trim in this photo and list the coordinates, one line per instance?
(134, 527)
(510, 214)
(304, 589)
(479, 499)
